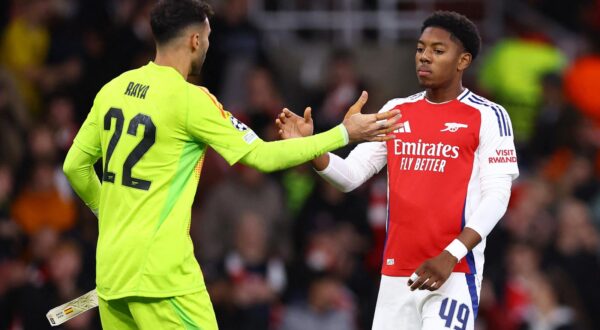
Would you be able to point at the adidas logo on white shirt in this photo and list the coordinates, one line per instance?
(404, 129)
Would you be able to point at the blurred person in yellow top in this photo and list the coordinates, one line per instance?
(152, 128)
(24, 47)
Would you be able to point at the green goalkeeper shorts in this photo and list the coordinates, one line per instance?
(192, 311)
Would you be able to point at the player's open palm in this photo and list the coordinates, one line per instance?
(370, 127)
(433, 273)
(293, 126)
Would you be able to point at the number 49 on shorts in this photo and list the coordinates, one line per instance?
(458, 317)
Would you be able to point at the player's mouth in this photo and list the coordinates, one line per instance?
(423, 72)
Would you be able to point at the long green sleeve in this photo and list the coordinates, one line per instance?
(278, 155)
(79, 169)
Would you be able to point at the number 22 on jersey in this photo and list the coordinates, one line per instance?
(136, 154)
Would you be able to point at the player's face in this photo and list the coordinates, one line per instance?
(201, 47)
(439, 59)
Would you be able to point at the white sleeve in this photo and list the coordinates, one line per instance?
(497, 154)
(495, 193)
(498, 167)
(366, 160)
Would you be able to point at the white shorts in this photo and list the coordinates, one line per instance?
(452, 306)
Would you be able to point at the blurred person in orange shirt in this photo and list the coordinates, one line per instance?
(42, 203)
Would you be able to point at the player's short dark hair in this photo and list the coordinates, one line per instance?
(460, 27)
(169, 17)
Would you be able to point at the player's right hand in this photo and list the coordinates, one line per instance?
(370, 127)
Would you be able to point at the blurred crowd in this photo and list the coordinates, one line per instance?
(286, 250)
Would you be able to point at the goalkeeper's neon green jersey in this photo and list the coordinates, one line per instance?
(151, 129)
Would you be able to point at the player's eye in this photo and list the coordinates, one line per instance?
(438, 51)
(419, 50)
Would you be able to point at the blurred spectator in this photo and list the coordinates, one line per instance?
(327, 307)
(244, 190)
(25, 47)
(256, 277)
(42, 204)
(343, 84)
(333, 237)
(298, 183)
(264, 103)
(511, 71)
(328, 208)
(236, 47)
(546, 310)
(581, 79)
(577, 252)
(56, 284)
(61, 119)
(522, 264)
(9, 231)
(556, 121)
(14, 121)
(132, 44)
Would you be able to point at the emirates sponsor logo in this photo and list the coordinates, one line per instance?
(421, 148)
(424, 156)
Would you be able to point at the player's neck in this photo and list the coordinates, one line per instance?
(445, 94)
(174, 60)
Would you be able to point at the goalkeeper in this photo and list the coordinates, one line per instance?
(152, 128)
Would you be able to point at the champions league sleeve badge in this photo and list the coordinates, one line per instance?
(238, 124)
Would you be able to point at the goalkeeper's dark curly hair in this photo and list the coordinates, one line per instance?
(462, 29)
(169, 17)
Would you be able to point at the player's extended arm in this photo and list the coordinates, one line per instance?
(495, 192)
(366, 160)
(79, 170)
(277, 155)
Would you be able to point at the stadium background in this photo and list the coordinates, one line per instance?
(285, 250)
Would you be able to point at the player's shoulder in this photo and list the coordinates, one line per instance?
(491, 112)
(393, 103)
(201, 96)
(481, 103)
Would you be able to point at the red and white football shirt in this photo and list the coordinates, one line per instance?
(435, 164)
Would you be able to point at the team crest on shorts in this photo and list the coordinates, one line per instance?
(238, 124)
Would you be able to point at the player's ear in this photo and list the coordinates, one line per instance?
(195, 41)
(464, 61)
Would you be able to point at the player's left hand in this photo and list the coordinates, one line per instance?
(433, 272)
(293, 126)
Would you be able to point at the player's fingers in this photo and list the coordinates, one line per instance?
(357, 106)
(308, 115)
(381, 138)
(281, 118)
(287, 112)
(426, 284)
(431, 283)
(387, 130)
(417, 284)
(413, 278)
(420, 281)
(388, 114)
(434, 286)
